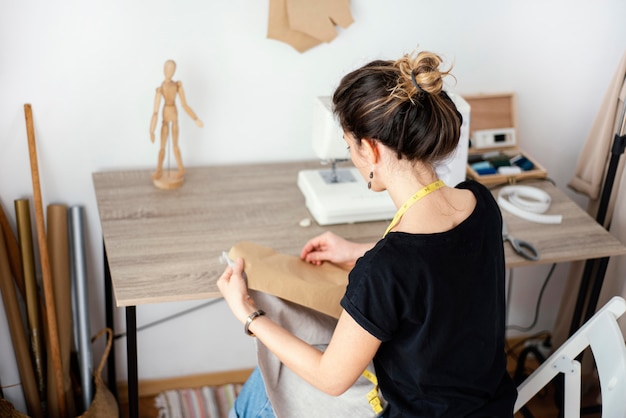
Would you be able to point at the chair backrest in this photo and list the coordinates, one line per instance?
(603, 334)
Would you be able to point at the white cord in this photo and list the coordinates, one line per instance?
(528, 203)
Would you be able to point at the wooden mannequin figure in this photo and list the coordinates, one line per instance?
(168, 90)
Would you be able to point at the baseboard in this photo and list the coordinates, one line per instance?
(154, 387)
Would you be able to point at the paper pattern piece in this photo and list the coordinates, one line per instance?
(304, 24)
(288, 277)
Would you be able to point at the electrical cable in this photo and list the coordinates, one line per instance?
(545, 335)
(508, 297)
(537, 305)
(510, 279)
(510, 350)
(170, 317)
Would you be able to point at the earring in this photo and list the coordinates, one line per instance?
(369, 183)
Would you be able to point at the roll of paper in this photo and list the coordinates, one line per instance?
(18, 335)
(79, 286)
(14, 251)
(10, 379)
(59, 249)
(46, 279)
(25, 238)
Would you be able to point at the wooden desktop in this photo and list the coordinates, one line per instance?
(164, 245)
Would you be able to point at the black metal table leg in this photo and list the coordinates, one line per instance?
(131, 353)
(110, 323)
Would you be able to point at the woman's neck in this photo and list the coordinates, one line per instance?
(438, 211)
(405, 180)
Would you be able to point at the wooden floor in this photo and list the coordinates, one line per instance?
(146, 408)
(542, 406)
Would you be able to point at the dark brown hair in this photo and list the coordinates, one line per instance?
(402, 104)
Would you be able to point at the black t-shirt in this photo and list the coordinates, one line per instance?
(437, 303)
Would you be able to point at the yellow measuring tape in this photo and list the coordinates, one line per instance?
(436, 185)
(372, 395)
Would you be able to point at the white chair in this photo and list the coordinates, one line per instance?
(603, 334)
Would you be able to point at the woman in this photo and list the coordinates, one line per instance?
(426, 302)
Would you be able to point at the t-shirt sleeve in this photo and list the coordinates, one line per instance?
(367, 302)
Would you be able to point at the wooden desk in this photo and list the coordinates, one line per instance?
(164, 245)
(578, 237)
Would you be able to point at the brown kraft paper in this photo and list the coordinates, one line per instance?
(288, 277)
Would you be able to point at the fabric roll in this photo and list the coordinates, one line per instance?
(79, 287)
(25, 238)
(59, 250)
(18, 335)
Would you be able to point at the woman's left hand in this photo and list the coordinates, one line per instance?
(233, 287)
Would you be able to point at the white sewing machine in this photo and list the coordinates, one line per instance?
(339, 194)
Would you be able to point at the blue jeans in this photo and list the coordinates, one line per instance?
(252, 401)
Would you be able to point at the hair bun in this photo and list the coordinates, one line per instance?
(419, 73)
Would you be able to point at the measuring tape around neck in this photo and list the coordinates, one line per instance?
(436, 185)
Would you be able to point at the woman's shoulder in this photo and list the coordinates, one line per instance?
(480, 191)
(474, 186)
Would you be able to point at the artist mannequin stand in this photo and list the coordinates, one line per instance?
(168, 90)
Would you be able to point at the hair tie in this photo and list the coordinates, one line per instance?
(417, 86)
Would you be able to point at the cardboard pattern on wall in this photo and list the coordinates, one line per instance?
(304, 24)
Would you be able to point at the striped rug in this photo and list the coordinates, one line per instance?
(202, 402)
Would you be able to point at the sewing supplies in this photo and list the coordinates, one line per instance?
(521, 247)
(495, 142)
(500, 163)
(528, 203)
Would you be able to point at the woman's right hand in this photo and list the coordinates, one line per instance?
(234, 288)
(331, 247)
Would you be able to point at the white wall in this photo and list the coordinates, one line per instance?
(89, 69)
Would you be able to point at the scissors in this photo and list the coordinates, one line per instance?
(521, 247)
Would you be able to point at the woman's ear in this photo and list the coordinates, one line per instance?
(370, 150)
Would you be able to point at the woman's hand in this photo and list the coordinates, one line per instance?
(331, 247)
(233, 287)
